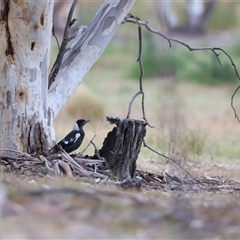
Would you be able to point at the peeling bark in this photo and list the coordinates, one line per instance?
(4, 19)
(25, 51)
(122, 146)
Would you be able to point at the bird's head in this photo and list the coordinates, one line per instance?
(79, 124)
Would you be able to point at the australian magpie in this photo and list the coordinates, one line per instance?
(73, 140)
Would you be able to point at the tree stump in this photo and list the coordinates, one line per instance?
(122, 146)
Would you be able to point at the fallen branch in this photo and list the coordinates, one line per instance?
(171, 160)
(88, 161)
(79, 168)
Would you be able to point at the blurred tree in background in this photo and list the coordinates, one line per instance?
(198, 23)
(198, 14)
(160, 61)
(201, 23)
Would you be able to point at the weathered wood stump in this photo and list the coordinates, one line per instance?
(122, 146)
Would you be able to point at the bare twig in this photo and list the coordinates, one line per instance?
(87, 145)
(89, 161)
(94, 162)
(234, 110)
(215, 50)
(65, 41)
(54, 35)
(14, 155)
(46, 164)
(14, 152)
(171, 160)
(139, 60)
(96, 151)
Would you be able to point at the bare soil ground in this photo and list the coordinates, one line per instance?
(36, 204)
(78, 208)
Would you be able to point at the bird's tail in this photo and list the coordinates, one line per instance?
(54, 150)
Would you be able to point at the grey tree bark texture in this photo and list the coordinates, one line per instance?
(26, 121)
(122, 146)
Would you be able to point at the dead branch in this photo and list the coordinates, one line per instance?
(122, 145)
(79, 168)
(171, 160)
(27, 164)
(88, 145)
(14, 155)
(55, 36)
(139, 60)
(96, 151)
(215, 50)
(234, 109)
(136, 20)
(46, 164)
(65, 41)
(164, 181)
(88, 161)
(23, 163)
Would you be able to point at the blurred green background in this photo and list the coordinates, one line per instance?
(187, 100)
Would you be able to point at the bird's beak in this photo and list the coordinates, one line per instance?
(86, 121)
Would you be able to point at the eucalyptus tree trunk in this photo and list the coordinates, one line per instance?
(29, 99)
(26, 122)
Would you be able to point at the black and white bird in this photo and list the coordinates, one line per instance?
(73, 140)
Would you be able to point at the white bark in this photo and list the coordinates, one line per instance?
(25, 120)
(86, 51)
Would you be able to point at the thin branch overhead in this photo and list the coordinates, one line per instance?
(54, 35)
(63, 47)
(139, 60)
(141, 91)
(215, 50)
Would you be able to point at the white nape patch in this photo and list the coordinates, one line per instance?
(76, 127)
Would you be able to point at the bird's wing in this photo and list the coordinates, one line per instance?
(71, 138)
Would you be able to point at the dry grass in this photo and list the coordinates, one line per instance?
(192, 123)
(79, 208)
(192, 112)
